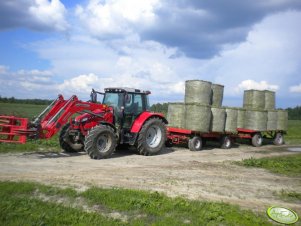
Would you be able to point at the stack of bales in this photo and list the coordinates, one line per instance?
(260, 113)
(201, 110)
(198, 97)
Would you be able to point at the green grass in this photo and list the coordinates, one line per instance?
(288, 165)
(21, 205)
(294, 132)
(21, 110)
(289, 195)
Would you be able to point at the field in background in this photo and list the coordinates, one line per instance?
(30, 110)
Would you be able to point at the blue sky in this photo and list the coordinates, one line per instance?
(68, 47)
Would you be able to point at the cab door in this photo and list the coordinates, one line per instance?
(133, 107)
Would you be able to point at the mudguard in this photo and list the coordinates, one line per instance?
(140, 120)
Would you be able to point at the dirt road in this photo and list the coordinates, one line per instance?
(208, 174)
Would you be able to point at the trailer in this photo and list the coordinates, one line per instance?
(196, 140)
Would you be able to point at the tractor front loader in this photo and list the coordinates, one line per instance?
(97, 128)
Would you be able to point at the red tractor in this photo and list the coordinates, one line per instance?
(122, 118)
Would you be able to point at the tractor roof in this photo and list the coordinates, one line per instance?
(125, 89)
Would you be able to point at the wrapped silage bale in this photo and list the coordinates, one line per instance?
(231, 120)
(176, 115)
(197, 91)
(272, 120)
(218, 119)
(217, 95)
(256, 120)
(254, 99)
(282, 119)
(241, 117)
(197, 117)
(269, 100)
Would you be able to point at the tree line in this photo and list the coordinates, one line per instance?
(25, 101)
(293, 113)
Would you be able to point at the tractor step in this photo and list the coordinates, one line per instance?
(10, 127)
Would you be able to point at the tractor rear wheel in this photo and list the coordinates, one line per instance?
(257, 140)
(100, 142)
(67, 141)
(152, 137)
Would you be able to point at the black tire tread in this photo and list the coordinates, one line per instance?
(65, 146)
(141, 148)
(90, 142)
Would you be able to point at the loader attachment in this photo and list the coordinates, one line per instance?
(13, 129)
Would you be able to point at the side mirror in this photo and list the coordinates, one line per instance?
(93, 96)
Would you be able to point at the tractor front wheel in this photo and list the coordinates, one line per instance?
(152, 137)
(100, 142)
(68, 142)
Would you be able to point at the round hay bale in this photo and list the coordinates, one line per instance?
(176, 114)
(217, 95)
(231, 120)
(218, 119)
(272, 120)
(197, 117)
(256, 120)
(198, 91)
(241, 117)
(269, 100)
(254, 99)
(282, 120)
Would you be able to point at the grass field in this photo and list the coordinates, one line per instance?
(287, 165)
(24, 203)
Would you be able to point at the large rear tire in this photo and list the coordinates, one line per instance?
(257, 140)
(100, 142)
(152, 137)
(67, 141)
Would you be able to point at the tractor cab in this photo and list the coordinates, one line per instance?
(127, 103)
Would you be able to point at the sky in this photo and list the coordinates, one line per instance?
(51, 47)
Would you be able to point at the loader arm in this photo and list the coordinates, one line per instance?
(48, 123)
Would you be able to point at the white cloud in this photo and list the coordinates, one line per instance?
(3, 69)
(41, 15)
(116, 18)
(262, 85)
(50, 14)
(295, 89)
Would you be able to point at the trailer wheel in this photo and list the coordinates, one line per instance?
(67, 142)
(152, 137)
(226, 142)
(195, 143)
(278, 140)
(257, 140)
(100, 142)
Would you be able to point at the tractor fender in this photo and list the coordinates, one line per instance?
(143, 117)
